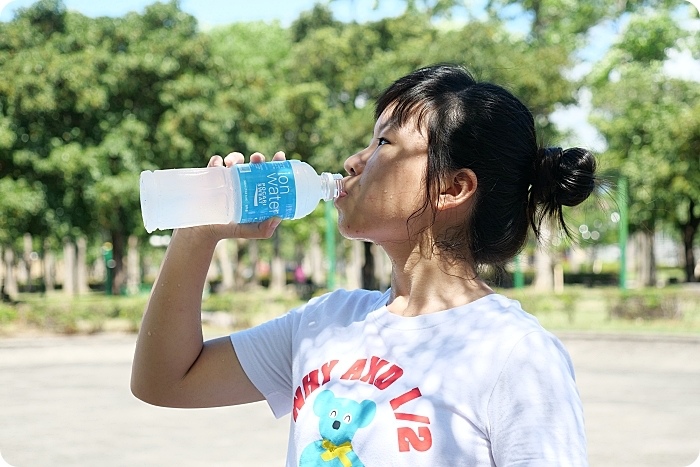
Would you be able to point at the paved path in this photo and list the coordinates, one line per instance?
(66, 402)
(641, 399)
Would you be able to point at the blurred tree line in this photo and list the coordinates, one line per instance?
(86, 104)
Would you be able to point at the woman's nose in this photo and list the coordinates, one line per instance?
(354, 164)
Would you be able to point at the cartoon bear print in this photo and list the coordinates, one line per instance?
(340, 419)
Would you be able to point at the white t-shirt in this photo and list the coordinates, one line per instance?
(482, 384)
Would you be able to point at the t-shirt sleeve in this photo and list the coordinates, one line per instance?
(535, 411)
(265, 354)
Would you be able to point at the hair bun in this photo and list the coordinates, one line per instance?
(563, 177)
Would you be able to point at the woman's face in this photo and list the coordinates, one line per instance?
(386, 185)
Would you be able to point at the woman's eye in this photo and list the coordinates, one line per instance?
(382, 141)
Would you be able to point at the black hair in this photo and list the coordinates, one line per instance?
(483, 127)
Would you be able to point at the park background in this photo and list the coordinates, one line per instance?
(90, 95)
(87, 103)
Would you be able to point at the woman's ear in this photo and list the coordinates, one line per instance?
(458, 190)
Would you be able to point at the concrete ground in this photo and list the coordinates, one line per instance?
(65, 401)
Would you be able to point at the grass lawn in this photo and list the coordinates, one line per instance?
(671, 310)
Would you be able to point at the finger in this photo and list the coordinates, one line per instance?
(234, 158)
(263, 229)
(215, 161)
(257, 157)
(279, 156)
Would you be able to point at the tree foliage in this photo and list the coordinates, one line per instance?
(86, 104)
(650, 121)
(92, 103)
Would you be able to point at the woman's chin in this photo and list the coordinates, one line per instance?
(349, 231)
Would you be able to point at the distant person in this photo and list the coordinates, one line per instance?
(299, 276)
(436, 371)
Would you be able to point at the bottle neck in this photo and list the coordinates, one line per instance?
(331, 185)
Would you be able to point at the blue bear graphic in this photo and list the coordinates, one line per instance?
(339, 421)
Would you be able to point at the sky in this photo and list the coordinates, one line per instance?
(217, 12)
(211, 13)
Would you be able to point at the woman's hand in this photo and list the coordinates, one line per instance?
(263, 229)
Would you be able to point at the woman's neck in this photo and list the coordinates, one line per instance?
(422, 284)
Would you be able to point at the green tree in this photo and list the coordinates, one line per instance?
(339, 70)
(650, 121)
(27, 109)
(565, 22)
(94, 102)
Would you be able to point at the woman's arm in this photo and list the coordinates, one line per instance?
(173, 366)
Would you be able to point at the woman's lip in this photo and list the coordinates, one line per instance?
(343, 190)
(343, 193)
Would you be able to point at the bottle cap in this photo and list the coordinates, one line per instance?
(331, 185)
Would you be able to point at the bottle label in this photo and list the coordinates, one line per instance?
(267, 190)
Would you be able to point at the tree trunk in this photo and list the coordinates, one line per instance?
(81, 274)
(27, 257)
(558, 278)
(382, 268)
(10, 288)
(2, 275)
(133, 271)
(118, 247)
(544, 272)
(241, 275)
(651, 273)
(49, 268)
(277, 270)
(317, 269)
(645, 261)
(68, 267)
(226, 266)
(254, 257)
(688, 231)
(544, 263)
(353, 270)
(369, 278)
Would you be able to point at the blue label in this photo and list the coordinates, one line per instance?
(267, 190)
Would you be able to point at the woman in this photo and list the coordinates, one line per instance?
(438, 370)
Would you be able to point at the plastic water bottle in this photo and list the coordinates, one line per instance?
(244, 193)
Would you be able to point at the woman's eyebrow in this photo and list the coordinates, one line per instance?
(383, 126)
